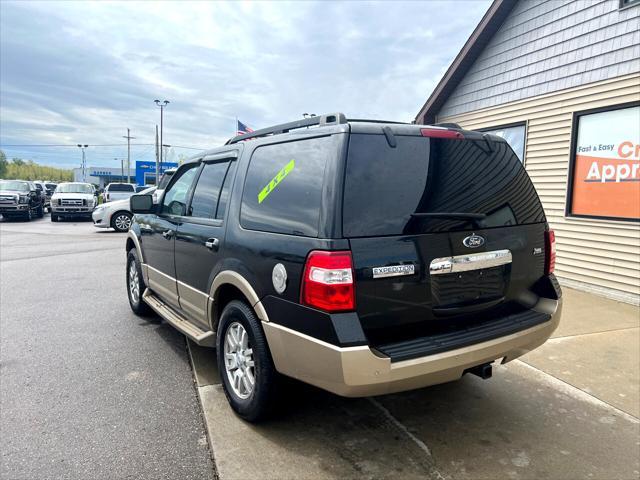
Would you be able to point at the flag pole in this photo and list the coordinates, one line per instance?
(236, 130)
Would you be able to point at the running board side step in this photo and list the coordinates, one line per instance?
(201, 337)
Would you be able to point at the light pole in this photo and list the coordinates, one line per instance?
(84, 163)
(161, 105)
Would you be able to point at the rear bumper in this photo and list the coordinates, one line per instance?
(359, 371)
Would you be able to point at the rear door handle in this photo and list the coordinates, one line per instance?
(167, 234)
(212, 244)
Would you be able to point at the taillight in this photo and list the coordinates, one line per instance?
(328, 281)
(441, 133)
(550, 251)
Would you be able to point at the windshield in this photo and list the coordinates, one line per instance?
(74, 188)
(16, 186)
(120, 187)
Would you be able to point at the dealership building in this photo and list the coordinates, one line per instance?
(144, 173)
(560, 81)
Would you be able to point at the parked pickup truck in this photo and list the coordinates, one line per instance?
(118, 191)
(20, 198)
(73, 199)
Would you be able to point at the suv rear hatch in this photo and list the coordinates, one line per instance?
(447, 236)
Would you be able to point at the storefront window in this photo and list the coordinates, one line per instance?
(604, 177)
(514, 135)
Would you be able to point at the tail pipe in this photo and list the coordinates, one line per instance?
(483, 371)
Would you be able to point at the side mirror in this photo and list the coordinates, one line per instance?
(142, 204)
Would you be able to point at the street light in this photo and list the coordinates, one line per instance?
(308, 115)
(84, 163)
(161, 105)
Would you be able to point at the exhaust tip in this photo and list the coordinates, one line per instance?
(483, 371)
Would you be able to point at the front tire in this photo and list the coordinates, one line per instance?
(136, 286)
(29, 215)
(249, 378)
(121, 221)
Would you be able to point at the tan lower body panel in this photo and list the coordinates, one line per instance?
(194, 303)
(164, 285)
(359, 372)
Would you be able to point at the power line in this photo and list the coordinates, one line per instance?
(75, 145)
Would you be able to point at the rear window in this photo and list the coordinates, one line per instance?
(283, 187)
(384, 186)
(119, 187)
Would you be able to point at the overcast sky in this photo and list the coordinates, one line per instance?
(82, 72)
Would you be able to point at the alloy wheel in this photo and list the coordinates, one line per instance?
(134, 283)
(238, 360)
(122, 222)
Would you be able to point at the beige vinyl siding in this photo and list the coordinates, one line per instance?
(603, 254)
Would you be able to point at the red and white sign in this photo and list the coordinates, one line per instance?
(606, 173)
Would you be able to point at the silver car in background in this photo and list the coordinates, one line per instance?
(116, 214)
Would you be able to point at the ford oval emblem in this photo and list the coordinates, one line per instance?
(473, 241)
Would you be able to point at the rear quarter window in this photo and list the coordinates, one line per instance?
(283, 187)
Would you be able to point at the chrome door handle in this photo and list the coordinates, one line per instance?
(212, 243)
(167, 234)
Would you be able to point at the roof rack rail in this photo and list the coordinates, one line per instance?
(448, 125)
(329, 119)
(363, 120)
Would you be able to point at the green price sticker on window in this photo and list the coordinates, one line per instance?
(281, 175)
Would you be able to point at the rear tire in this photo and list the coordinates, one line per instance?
(135, 285)
(121, 221)
(249, 378)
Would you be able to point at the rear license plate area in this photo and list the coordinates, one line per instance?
(464, 288)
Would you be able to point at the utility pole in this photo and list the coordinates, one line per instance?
(129, 138)
(121, 169)
(157, 159)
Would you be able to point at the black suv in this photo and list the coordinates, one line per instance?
(21, 199)
(362, 257)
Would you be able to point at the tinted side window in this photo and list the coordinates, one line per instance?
(226, 191)
(175, 198)
(207, 191)
(283, 188)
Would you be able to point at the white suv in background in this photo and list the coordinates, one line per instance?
(118, 191)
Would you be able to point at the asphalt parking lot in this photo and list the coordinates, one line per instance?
(88, 389)
(91, 391)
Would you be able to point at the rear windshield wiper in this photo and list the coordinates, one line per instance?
(453, 215)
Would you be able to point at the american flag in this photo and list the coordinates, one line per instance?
(242, 128)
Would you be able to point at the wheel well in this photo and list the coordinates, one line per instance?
(130, 245)
(225, 294)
